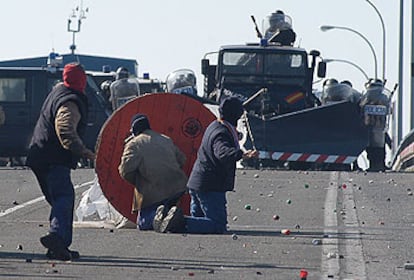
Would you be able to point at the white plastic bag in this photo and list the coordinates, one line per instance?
(93, 202)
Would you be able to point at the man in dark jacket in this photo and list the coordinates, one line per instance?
(55, 149)
(213, 173)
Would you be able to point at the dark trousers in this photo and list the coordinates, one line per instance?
(208, 212)
(57, 187)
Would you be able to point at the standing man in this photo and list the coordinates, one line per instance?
(153, 164)
(122, 89)
(213, 175)
(55, 149)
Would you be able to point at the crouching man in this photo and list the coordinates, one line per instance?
(153, 164)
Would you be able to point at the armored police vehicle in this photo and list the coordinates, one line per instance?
(284, 120)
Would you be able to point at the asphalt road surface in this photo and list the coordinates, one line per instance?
(341, 225)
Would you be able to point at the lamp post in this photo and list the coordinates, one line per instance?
(328, 60)
(383, 38)
(330, 27)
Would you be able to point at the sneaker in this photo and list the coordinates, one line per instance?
(51, 255)
(55, 244)
(173, 221)
(159, 215)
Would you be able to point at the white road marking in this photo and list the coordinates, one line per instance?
(354, 258)
(330, 251)
(36, 200)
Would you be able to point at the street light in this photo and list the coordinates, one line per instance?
(328, 60)
(383, 38)
(330, 27)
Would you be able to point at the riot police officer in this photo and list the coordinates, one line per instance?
(123, 88)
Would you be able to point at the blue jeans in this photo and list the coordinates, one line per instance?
(208, 212)
(146, 215)
(57, 187)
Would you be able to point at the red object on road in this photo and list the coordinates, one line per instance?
(303, 274)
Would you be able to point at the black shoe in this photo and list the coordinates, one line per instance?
(51, 255)
(173, 221)
(55, 244)
(159, 215)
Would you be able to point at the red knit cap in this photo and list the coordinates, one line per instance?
(74, 77)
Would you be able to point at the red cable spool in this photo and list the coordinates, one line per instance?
(180, 117)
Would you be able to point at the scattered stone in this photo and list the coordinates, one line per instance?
(15, 202)
(316, 241)
(410, 193)
(331, 255)
(19, 247)
(409, 266)
(371, 181)
(256, 175)
(270, 195)
(285, 231)
(257, 209)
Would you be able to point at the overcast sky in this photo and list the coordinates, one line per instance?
(165, 35)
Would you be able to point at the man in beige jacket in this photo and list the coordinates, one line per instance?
(153, 164)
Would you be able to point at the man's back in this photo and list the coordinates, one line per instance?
(156, 163)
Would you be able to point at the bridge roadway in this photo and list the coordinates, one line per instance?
(343, 225)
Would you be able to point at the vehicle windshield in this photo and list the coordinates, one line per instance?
(264, 64)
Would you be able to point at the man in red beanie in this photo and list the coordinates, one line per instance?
(55, 149)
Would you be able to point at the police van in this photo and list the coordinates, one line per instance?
(24, 85)
(22, 92)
